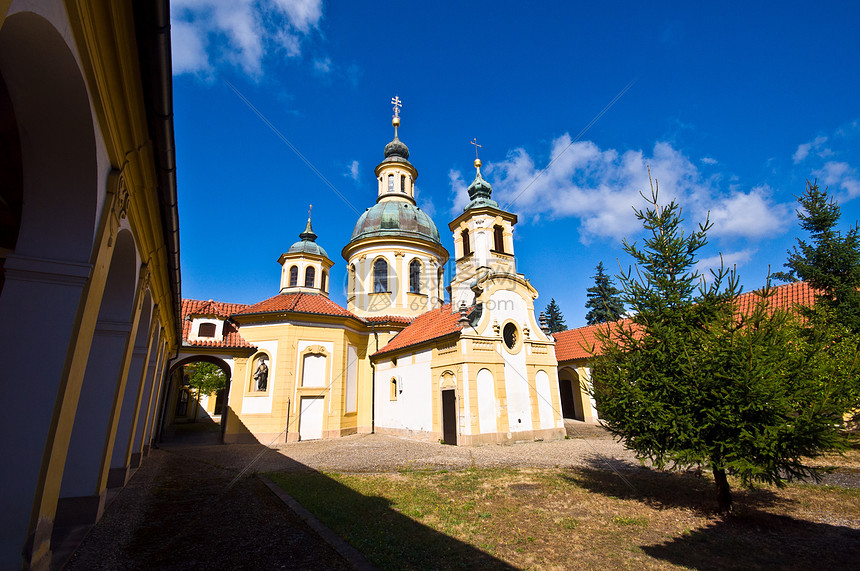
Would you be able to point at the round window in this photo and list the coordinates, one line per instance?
(510, 335)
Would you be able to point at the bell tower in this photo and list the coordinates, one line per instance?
(483, 239)
(395, 175)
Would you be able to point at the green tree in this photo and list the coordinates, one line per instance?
(205, 378)
(687, 380)
(604, 303)
(830, 262)
(554, 317)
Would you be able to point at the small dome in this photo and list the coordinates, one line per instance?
(480, 192)
(395, 218)
(396, 148)
(307, 247)
(307, 244)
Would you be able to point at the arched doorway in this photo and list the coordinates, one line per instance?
(177, 411)
(570, 393)
(84, 478)
(136, 384)
(50, 162)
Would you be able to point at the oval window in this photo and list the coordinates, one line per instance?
(510, 334)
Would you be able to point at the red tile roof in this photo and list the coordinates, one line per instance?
(389, 319)
(575, 343)
(299, 303)
(210, 308)
(784, 297)
(426, 327)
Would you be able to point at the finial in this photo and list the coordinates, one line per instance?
(395, 121)
(477, 160)
(544, 326)
(464, 314)
(309, 234)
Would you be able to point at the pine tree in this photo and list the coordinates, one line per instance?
(554, 317)
(831, 263)
(603, 302)
(688, 381)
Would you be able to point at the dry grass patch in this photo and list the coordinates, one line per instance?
(584, 518)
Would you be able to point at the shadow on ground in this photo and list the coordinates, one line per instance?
(750, 538)
(197, 504)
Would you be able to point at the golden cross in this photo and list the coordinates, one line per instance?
(397, 105)
(475, 142)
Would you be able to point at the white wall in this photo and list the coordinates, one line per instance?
(413, 409)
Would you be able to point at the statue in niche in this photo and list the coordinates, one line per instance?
(261, 375)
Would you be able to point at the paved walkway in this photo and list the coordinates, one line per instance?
(195, 503)
(178, 512)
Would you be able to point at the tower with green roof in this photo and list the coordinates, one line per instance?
(395, 258)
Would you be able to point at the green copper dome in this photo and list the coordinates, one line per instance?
(480, 192)
(395, 218)
(307, 244)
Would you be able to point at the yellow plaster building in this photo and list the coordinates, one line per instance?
(89, 258)
(398, 359)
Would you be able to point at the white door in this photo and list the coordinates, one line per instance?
(311, 419)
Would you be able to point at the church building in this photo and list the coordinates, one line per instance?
(398, 359)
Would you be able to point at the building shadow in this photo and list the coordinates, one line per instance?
(201, 505)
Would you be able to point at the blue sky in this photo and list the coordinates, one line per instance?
(732, 106)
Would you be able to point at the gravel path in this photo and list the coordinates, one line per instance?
(381, 453)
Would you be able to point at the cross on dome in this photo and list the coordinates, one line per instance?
(477, 160)
(395, 121)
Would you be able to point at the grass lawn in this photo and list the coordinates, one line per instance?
(583, 518)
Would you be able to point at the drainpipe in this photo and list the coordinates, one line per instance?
(373, 385)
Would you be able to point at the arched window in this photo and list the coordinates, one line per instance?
(467, 249)
(351, 278)
(391, 183)
(415, 276)
(498, 239)
(206, 330)
(294, 276)
(310, 274)
(323, 280)
(403, 183)
(392, 390)
(380, 276)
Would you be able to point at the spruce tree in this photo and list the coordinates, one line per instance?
(688, 381)
(604, 303)
(554, 317)
(831, 262)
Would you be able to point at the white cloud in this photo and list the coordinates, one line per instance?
(189, 48)
(322, 66)
(352, 171)
(750, 214)
(708, 160)
(840, 175)
(425, 203)
(601, 188)
(459, 195)
(206, 33)
(815, 145)
(728, 260)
